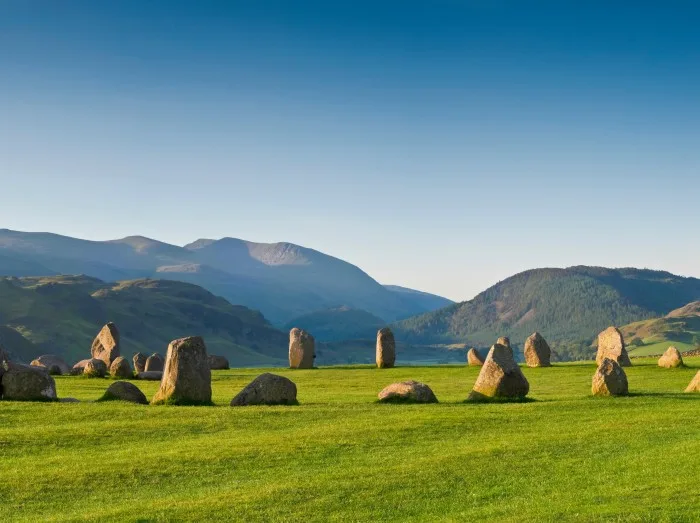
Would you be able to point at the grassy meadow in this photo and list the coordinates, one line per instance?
(340, 456)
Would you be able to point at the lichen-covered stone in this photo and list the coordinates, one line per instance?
(500, 377)
(611, 345)
(139, 361)
(386, 348)
(474, 359)
(301, 349)
(124, 391)
(95, 368)
(408, 392)
(120, 368)
(267, 389)
(671, 358)
(27, 383)
(537, 351)
(609, 379)
(186, 377)
(154, 363)
(105, 347)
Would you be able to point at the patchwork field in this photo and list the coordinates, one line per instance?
(340, 456)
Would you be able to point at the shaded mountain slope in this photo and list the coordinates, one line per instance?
(341, 323)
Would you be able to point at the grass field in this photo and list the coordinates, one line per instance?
(339, 456)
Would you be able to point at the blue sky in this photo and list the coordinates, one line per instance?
(440, 145)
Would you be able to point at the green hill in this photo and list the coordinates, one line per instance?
(62, 314)
(568, 306)
(680, 328)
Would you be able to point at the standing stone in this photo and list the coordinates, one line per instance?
(301, 349)
(504, 340)
(500, 377)
(154, 363)
(28, 383)
(537, 351)
(95, 368)
(694, 384)
(53, 364)
(672, 358)
(78, 368)
(187, 377)
(407, 392)
(151, 375)
(105, 347)
(611, 345)
(609, 380)
(267, 389)
(386, 348)
(474, 359)
(139, 362)
(120, 368)
(217, 362)
(124, 391)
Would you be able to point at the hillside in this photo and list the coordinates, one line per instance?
(282, 280)
(569, 306)
(337, 324)
(62, 314)
(680, 328)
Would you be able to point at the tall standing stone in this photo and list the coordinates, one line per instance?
(537, 351)
(386, 348)
(671, 358)
(609, 379)
(611, 345)
(500, 377)
(187, 377)
(474, 359)
(301, 349)
(105, 347)
(139, 362)
(694, 385)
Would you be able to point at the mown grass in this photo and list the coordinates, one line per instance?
(341, 456)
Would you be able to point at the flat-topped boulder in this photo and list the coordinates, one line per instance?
(694, 385)
(139, 361)
(671, 358)
(105, 346)
(302, 347)
(150, 375)
(500, 377)
(95, 368)
(609, 379)
(124, 391)
(537, 351)
(27, 383)
(53, 364)
(386, 348)
(611, 345)
(267, 389)
(217, 362)
(474, 359)
(154, 362)
(186, 377)
(120, 368)
(407, 392)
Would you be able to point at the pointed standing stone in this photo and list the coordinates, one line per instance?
(694, 384)
(500, 377)
(474, 359)
(186, 377)
(301, 349)
(105, 347)
(386, 348)
(154, 363)
(611, 345)
(537, 351)
(120, 368)
(671, 358)
(139, 362)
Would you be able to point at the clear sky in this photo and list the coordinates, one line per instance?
(440, 145)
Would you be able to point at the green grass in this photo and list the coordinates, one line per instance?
(341, 456)
(660, 348)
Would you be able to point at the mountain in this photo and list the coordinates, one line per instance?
(680, 328)
(429, 302)
(568, 306)
(339, 324)
(62, 314)
(282, 280)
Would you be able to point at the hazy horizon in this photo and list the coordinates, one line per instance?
(442, 148)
